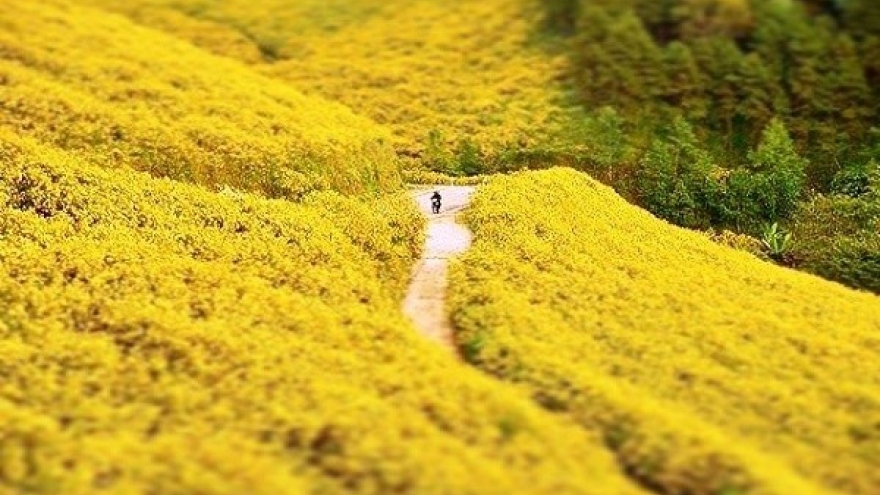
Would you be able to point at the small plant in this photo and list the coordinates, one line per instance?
(472, 348)
(776, 242)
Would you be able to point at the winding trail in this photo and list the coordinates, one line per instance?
(425, 302)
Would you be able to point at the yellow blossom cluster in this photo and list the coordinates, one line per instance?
(121, 95)
(429, 69)
(706, 370)
(156, 337)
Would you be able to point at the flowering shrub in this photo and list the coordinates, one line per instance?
(705, 370)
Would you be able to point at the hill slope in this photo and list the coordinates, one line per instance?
(707, 370)
(122, 95)
(443, 76)
(159, 338)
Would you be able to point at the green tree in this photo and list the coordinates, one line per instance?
(850, 96)
(809, 81)
(636, 71)
(608, 143)
(592, 63)
(561, 15)
(869, 51)
(720, 59)
(674, 181)
(684, 82)
(857, 181)
(732, 19)
(862, 17)
(470, 160)
(437, 154)
(760, 97)
(777, 159)
(771, 35)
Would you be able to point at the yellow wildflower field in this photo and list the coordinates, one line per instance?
(156, 337)
(705, 369)
(431, 70)
(121, 95)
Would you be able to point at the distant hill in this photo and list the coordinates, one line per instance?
(120, 94)
(453, 80)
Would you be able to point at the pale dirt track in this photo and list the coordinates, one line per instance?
(425, 302)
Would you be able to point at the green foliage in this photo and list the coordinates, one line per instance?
(469, 158)
(674, 180)
(437, 156)
(855, 262)
(730, 68)
(685, 87)
(760, 97)
(776, 241)
(607, 142)
(837, 239)
(857, 181)
(850, 95)
(561, 15)
(618, 63)
(778, 161)
(862, 16)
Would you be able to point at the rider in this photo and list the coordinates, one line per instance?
(435, 202)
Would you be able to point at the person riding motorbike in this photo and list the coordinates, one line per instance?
(436, 201)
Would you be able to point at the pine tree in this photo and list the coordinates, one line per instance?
(720, 60)
(862, 17)
(850, 95)
(608, 142)
(770, 38)
(593, 66)
(808, 80)
(637, 62)
(778, 161)
(760, 97)
(674, 180)
(870, 56)
(684, 82)
(732, 19)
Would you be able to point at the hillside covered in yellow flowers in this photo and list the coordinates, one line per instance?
(120, 95)
(705, 369)
(438, 74)
(205, 240)
(160, 338)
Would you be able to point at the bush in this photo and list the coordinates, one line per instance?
(853, 262)
(675, 180)
(836, 238)
(857, 181)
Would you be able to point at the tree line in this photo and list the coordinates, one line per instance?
(734, 114)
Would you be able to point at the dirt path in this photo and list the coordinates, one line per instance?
(425, 302)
